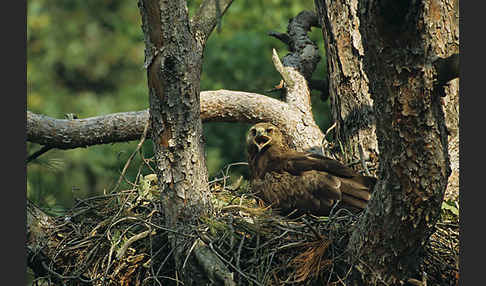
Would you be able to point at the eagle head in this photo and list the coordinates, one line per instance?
(262, 135)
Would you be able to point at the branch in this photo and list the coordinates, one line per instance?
(229, 106)
(69, 134)
(281, 70)
(304, 53)
(237, 106)
(212, 265)
(216, 106)
(209, 15)
(298, 66)
(34, 156)
(283, 37)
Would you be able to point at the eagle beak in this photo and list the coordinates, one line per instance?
(261, 141)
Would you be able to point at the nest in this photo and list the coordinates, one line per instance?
(121, 239)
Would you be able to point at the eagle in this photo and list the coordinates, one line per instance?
(294, 182)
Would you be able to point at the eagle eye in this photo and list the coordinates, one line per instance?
(269, 130)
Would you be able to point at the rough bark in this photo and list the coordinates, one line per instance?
(173, 76)
(296, 69)
(351, 103)
(451, 109)
(173, 58)
(411, 132)
(304, 54)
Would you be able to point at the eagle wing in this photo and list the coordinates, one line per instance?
(297, 162)
(312, 182)
(309, 182)
(312, 191)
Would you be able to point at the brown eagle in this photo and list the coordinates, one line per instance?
(289, 180)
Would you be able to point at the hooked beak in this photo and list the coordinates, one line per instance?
(261, 141)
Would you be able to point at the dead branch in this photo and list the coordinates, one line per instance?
(222, 105)
(304, 54)
(41, 151)
(216, 106)
(68, 134)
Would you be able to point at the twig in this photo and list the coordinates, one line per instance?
(43, 150)
(225, 174)
(318, 236)
(62, 277)
(164, 261)
(268, 265)
(142, 139)
(130, 241)
(189, 253)
(290, 245)
(330, 129)
(217, 180)
(234, 267)
(152, 258)
(238, 253)
(283, 37)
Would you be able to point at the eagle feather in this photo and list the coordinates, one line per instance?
(289, 180)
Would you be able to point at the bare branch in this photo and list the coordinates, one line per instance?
(299, 26)
(237, 106)
(34, 156)
(281, 70)
(298, 66)
(216, 106)
(208, 16)
(212, 264)
(68, 134)
(283, 37)
(222, 105)
(304, 53)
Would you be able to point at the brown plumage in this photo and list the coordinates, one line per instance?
(289, 180)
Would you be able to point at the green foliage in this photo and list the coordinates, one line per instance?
(86, 57)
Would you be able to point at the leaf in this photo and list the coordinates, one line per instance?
(451, 208)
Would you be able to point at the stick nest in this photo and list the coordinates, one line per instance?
(121, 239)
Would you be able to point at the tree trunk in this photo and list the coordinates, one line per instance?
(173, 58)
(351, 104)
(410, 125)
(173, 63)
(411, 132)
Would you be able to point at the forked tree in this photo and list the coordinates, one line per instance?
(388, 62)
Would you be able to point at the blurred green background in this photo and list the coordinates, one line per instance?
(86, 57)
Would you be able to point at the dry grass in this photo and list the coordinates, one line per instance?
(120, 239)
